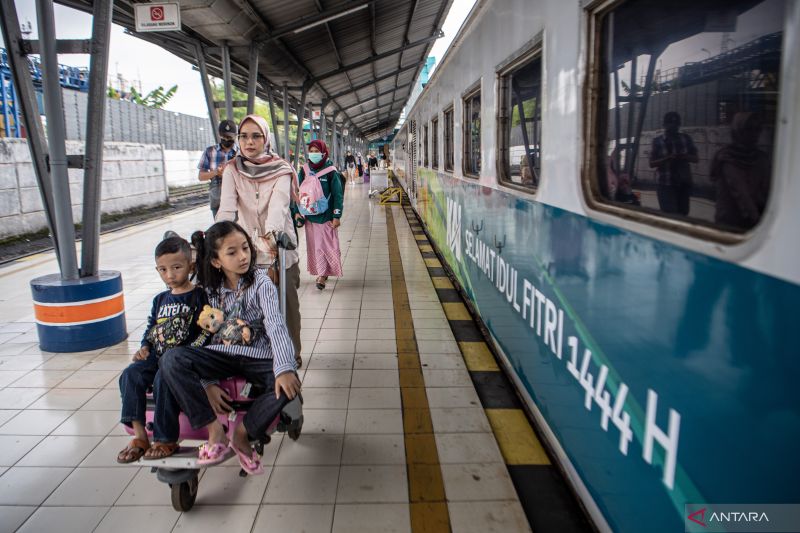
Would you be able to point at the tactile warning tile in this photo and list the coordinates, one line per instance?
(456, 311)
(477, 356)
(518, 443)
(442, 283)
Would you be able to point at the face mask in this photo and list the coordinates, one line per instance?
(315, 157)
(227, 143)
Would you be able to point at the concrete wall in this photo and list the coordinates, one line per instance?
(133, 176)
(181, 167)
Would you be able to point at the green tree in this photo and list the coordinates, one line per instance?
(261, 108)
(157, 98)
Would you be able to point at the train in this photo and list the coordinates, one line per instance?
(614, 187)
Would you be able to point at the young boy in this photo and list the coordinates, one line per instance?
(172, 322)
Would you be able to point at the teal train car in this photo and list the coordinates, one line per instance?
(606, 182)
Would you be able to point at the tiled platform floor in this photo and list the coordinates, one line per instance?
(59, 434)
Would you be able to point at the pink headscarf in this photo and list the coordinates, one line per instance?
(267, 165)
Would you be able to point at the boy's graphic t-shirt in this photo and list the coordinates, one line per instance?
(173, 320)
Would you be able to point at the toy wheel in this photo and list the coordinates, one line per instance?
(184, 494)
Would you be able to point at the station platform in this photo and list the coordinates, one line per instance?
(396, 437)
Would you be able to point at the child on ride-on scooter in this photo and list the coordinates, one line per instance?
(172, 322)
(234, 284)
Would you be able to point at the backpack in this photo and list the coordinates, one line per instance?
(311, 200)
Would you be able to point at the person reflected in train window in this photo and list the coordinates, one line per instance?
(741, 172)
(618, 181)
(671, 154)
(526, 174)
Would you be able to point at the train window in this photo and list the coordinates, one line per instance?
(686, 119)
(425, 158)
(435, 143)
(448, 139)
(472, 134)
(520, 121)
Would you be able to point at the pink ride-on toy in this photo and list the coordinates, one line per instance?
(180, 471)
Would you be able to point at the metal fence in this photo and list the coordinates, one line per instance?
(129, 122)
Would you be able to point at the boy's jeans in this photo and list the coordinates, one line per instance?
(133, 385)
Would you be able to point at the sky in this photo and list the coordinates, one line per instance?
(135, 59)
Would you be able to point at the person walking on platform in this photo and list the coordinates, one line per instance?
(350, 166)
(320, 212)
(213, 162)
(260, 185)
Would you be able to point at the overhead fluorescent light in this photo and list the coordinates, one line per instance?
(330, 18)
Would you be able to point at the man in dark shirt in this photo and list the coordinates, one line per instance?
(214, 160)
(671, 154)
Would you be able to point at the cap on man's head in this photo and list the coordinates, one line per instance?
(227, 127)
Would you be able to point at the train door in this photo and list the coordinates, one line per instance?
(413, 149)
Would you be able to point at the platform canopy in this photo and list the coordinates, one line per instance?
(358, 58)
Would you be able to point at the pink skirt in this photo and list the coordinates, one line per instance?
(322, 245)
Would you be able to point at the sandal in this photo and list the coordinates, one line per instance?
(161, 450)
(321, 282)
(134, 451)
(213, 454)
(252, 464)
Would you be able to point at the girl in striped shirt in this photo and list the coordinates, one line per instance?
(227, 269)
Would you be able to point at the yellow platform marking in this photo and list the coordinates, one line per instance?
(432, 262)
(427, 499)
(421, 237)
(456, 311)
(441, 282)
(516, 438)
(425, 248)
(478, 357)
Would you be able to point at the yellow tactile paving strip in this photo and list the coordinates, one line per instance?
(429, 513)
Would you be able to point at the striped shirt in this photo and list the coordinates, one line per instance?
(259, 305)
(213, 157)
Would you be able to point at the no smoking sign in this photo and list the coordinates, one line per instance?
(158, 16)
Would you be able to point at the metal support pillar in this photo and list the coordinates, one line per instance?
(56, 133)
(252, 80)
(301, 111)
(334, 142)
(323, 123)
(212, 111)
(17, 129)
(277, 147)
(25, 100)
(95, 121)
(226, 80)
(4, 101)
(286, 122)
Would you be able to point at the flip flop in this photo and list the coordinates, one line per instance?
(213, 454)
(252, 464)
(134, 451)
(161, 450)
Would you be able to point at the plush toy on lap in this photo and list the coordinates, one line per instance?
(231, 331)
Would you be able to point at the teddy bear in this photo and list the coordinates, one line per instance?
(232, 331)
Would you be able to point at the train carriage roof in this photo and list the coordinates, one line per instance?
(360, 56)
